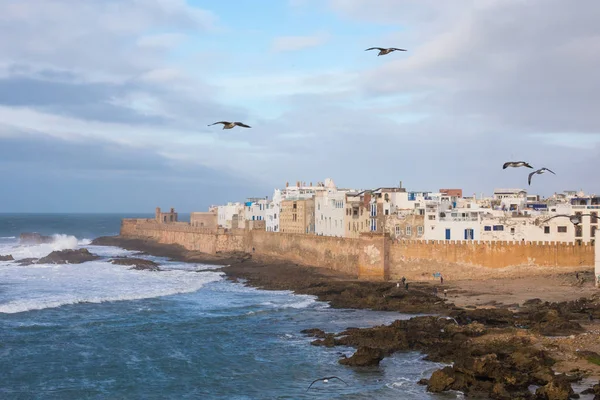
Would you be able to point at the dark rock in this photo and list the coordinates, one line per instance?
(557, 389)
(364, 356)
(68, 257)
(315, 332)
(34, 238)
(423, 381)
(6, 258)
(26, 261)
(138, 263)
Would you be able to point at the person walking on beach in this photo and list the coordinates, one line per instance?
(577, 275)
(441, 280)
(406, 286)
(403, 280)
(445, 292)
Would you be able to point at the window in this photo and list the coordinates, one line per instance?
(469, 234)
(387, 212)
(594, 219)
(592, 231)
(409, 231)
(562, 229)
(546, 229)
(578, 231)
(419, 230)
(397, 231)
(512, 230)
(498, 227)
(431, 217)
(487, 228)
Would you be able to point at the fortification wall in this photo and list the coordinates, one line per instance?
(340, 254)
(376, 257)
(419, 260)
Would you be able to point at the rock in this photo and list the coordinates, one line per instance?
(441, 380)
(315, 332)
(364, 356)
(34, 238)
(138, 263)
(68, 257)
(423, 381)
(558, 389)
(6, 258)
(26, 261)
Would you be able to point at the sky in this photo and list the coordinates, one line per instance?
(105, 105)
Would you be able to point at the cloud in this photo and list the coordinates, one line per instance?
(294, 43)
(46, 174)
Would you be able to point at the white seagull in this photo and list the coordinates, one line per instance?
(326, 379)
(516, 164)
(539, 171)
(383, 52)
(229, 125)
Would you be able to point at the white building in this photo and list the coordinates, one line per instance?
(299, 192)
(453, 224)
(255, 209)
(330, 206)
(225, 213)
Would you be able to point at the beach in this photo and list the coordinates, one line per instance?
(483, 326)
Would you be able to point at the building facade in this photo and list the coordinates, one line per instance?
(329, 212)
(297, 216)
(226, 212)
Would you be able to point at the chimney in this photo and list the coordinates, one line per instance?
(287, 184)
(311, 184)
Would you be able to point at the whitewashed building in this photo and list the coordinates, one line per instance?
(226, 212)
(330, 206)
(255, 209)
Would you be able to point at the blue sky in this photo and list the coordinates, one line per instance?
(104, 106)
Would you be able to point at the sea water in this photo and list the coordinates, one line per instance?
(102, 331)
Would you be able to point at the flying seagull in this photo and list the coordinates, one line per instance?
(575, 219)
(539, 171)
(382, 51)
(516, 164)
(326, 379)
(229, 125)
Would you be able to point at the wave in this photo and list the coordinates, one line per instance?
(59, 242)
(39, 287)
(8, 237)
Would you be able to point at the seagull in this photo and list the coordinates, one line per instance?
(229, 125)
(539, 171)
(382, 51)
(326, 379)
(575, 219)
(516, 164)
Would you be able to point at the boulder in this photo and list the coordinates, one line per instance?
(68, 257)
(364, 356)
(6, 258)
(138, 263)
(34, 238)
(557, 389)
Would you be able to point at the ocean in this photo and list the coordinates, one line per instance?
(101, 331)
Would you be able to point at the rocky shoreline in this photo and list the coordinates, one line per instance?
(500, 352)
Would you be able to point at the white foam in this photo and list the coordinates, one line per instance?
(38, 286)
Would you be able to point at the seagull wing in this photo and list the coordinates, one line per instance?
(555, 216)
(375, 48)
(220, 122)
(549, 171)
(394, 48)
(316, 380)
(530, 175)
(506, 164)
(241, 124)
(332, 377)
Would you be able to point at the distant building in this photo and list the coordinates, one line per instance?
(298, 216)
(165, 218)
(226, 212)
(204, 219)
(329, 210)
(452, 192)
(357, 217)
(256, 209)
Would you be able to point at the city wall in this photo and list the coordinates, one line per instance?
(377, 257)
